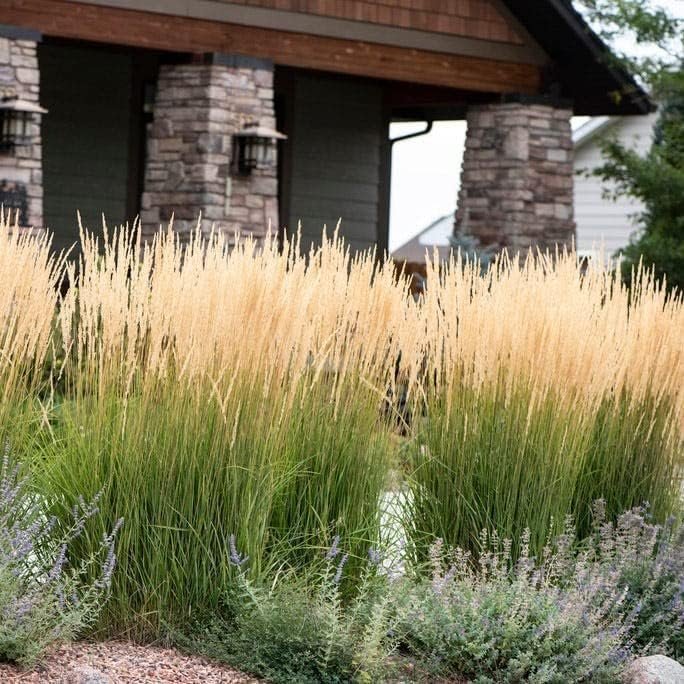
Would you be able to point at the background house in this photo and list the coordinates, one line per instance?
(145, 98)
(435, 236)
(600, 220)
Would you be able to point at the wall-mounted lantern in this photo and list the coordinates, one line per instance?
(255, 147)
(16, 116)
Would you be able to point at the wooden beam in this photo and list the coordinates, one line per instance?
(76, 20)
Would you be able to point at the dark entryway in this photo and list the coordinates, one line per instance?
(333, 164)
(94, 133)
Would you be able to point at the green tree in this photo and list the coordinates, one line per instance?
(657, 179)
(651, 34)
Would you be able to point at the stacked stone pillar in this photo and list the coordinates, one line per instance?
(198, 108)
(517, 179)
(21, 169)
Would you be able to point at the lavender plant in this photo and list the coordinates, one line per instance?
(43, 597)
(646, 560)
(304, 628)
(578, 612)
(500, 624)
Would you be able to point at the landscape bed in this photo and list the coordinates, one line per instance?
(200, 437)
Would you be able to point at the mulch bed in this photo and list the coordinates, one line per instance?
(115, 661)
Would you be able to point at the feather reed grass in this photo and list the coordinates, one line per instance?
(214, 391)
(29, 278)
(541, 388)
(211, 390)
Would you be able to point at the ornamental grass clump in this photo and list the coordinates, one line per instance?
(30, 275)
(209, 389)
(212, 390)
(539, 388)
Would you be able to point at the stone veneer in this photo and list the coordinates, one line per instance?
(517, 178)
(22, 170)
(197, 109)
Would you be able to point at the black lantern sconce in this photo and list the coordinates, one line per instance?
(15, 118)
(255, 147)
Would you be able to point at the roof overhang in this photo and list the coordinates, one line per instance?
(559, 58)
(585, 71)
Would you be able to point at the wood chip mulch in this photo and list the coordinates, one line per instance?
(121, 662)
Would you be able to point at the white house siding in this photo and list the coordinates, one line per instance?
(600, 221)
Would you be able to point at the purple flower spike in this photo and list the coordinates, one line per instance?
(235, 557)
(334, 550)
(374, 556)
(338, 575)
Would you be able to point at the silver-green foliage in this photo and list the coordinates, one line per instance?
(43, 598)
(578, 612)
(320, 627)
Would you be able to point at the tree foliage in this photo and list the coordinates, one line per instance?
(649, 27)
(656, 179)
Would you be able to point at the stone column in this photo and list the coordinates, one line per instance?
(21, 170)
(516, 183)
(197, 109)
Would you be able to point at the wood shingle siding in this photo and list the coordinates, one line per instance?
(187, 34)
(473, 18)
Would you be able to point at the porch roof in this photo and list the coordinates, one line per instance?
(496, 48)
(588, 73)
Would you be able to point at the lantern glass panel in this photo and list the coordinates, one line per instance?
(250, 152)
(18, 124)
(264, 152)
(272, 152)
(257, 152)
(13, 126)
(4, 129)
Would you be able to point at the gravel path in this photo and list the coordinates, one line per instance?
(113, 662)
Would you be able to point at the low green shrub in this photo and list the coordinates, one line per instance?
(577, 613)
(504, 623)
(304, 629)
(45, 599)
(648, 563)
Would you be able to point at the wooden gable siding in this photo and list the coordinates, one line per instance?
(336, 138)
(162, 31)
(472, 18)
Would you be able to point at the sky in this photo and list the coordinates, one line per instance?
(426, 170)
